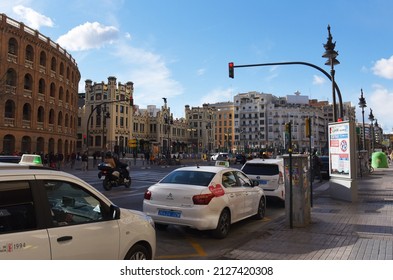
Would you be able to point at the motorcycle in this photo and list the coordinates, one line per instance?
(112, 177)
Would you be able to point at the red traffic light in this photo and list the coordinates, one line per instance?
(231, 69)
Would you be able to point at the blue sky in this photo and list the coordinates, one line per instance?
(180, 49)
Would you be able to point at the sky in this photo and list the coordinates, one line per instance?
(180, 49)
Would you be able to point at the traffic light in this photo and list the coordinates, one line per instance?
(231, 69)
(131, 102)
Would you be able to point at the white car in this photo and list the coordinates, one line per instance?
(219, 156)
(48, 214)
(204, 198)
(270, 174)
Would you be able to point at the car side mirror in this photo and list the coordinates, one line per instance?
(115, 212)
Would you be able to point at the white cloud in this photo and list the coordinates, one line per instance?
(32, 18)
(384, 68)
(88, 36)
(218, 95)
(381, 102)
(318, 80)
(150, 75)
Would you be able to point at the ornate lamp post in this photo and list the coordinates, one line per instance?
(331, 54)
(371, 119)
(362, 104)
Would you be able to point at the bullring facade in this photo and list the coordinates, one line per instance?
(38, 92)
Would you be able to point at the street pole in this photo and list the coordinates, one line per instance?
(337, 89)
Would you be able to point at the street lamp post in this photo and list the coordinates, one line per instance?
(331, 54)
(371, 119)
(362, 104)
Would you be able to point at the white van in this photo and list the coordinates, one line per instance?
(269, 173)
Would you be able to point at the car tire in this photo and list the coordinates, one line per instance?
(261, 209)
(223, 225)
(138, 252)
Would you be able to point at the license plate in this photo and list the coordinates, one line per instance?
(102, 177)
(263, 182)
(169, 213)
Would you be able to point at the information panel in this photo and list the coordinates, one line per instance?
(339, 149)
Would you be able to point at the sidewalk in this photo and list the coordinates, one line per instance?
(339, 230)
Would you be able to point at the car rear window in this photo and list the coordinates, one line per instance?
(189, 178)
(261, 169)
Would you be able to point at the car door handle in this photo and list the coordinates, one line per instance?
(64, 238)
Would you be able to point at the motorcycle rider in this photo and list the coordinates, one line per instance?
(117, 165)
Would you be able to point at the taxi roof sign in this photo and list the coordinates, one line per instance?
(222, 163)
(28, 159)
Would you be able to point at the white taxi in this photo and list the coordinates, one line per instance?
(204, 198)
(48, 214)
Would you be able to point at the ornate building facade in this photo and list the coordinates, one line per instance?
(38, 92)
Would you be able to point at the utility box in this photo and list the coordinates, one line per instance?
(297, 190)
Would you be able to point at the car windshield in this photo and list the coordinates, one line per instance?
(261, 169)
(200, 178)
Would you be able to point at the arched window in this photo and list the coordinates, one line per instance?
(41, 86)
(51, 116)
(11, 77)
(29, 53)
(26, 112)
(61, 93)
(67, 96)
(28, 82)
(13, 46)
(53, 64)
(52, 90)
(40, 114)
(60, 119)
(61, 69)
(66, 120)
(9, 111)
(43, 59)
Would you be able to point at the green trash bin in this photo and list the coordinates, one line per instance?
(379, 160)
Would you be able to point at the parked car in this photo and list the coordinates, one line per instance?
(204, 198)
(219, 156)
(325, 167)
(270, 174)
(11, 159)
(49, 214)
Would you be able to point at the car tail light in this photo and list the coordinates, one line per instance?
(202, 199)
(147, 195)
(280, 178)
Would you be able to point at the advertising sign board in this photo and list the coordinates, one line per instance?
(340, 149)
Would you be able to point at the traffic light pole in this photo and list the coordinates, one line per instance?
(232, 66)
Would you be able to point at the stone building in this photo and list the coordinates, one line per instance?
(38, 92)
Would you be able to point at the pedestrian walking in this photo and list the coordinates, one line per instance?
(85, 159)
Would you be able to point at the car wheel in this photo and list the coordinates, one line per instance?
(223, 225)
(261, 209)
(138, 252)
